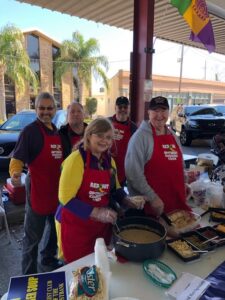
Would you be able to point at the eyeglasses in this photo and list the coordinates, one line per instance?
(49, 108)
(103, 136)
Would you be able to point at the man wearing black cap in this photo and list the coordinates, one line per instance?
(124, 128)
(154, 163)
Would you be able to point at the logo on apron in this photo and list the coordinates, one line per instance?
(56, 151)
(170, 151)
(118, 134)
(97, 191)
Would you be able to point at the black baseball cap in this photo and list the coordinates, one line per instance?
(122, 100)
(158, 102)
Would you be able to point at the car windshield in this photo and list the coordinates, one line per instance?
(189, 110)
(220, 108)
(205, 111)
(18, 122)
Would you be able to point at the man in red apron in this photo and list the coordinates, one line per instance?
(154, 163)
(73, 131)
(39, 146)
(124, 128)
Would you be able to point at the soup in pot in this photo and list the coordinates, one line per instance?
(140, 236)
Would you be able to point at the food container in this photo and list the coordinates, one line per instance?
(159, 273)
(208, 232)
(184, 221)
(220, 228)
(139, 238)
(183, 249)
(218, 216)
(198, 241)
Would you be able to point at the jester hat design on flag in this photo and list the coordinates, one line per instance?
(196, 15)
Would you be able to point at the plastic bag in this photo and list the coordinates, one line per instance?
(198, 192)
(214, 194)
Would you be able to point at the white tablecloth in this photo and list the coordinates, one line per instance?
(129, 280)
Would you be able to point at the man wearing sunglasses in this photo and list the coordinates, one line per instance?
(39, 147)
(124, 128)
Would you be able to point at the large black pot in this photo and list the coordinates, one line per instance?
(138, 251)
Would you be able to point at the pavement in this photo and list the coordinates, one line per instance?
(10, 253)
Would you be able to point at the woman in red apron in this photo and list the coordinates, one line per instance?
(86, 184)
(157, 162)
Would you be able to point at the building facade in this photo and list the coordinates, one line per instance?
(42, 51)
(191, 91)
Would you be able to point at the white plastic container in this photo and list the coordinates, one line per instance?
(102, 262)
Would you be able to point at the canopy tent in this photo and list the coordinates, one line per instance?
(168, 25)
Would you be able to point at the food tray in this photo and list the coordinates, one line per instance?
(208, 232)
(217, 216)
(182, 215)
(197, 240)
(158, 277)
(194, 257)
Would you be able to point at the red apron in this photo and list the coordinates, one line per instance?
(164, 173)
(78, 235)
(45, 173)
(122, 134)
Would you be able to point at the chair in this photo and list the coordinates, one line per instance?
(3, 214)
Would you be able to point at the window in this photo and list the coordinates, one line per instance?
(56, 90)
(34, 53)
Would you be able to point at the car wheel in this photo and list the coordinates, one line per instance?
(185, 138)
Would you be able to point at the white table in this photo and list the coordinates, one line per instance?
(129, 280)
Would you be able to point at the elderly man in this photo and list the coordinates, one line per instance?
(73, 131)
(124, 128)
(39, 147)
(154, 163)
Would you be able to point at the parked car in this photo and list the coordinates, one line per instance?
(197, 122)
(220, 108)
(10, 130)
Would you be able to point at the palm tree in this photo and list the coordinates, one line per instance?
(81, 58)
(14, 62)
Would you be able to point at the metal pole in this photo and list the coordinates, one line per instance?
(181, 69)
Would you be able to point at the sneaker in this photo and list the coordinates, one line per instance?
(52, 262)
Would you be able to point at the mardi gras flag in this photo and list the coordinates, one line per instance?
(196, 15)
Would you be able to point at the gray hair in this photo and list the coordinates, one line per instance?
(44, 95)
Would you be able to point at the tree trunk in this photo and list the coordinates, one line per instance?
(80, 92)
(2, 95)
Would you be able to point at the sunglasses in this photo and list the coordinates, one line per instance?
(48, 108)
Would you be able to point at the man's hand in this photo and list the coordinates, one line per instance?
(16, 179)
(137, 202)
(157, 206)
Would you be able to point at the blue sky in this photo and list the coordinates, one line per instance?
(115, 43)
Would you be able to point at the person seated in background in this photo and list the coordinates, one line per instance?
(88, 184)
(154, 163)
(124, 128)
(73, 131)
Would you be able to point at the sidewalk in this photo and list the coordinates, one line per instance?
(10, 253)
(10, 262)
